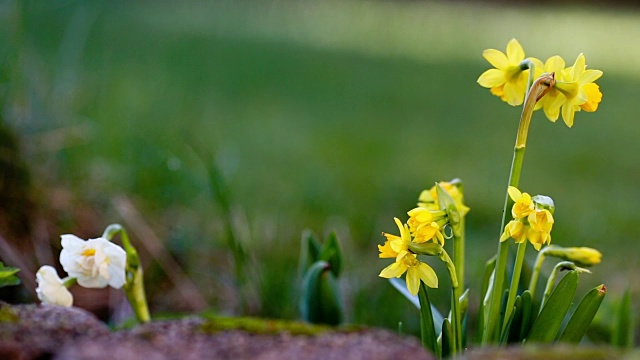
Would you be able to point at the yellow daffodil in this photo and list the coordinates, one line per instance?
(515, 229)
(540, 224)
(574, 90)
(507, 80)
(416, 271)
(429, 198)
(532, 219)
(523, 203)
(424, 226)
(396, 243)
(386, 251)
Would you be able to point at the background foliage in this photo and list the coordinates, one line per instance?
(328, 116)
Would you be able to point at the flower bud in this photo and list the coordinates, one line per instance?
(427, 248)
(582, 256)
(543, 202)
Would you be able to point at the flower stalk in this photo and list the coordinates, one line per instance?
(537, 90)
(134, 286)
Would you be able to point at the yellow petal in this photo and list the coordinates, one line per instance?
(515, 53)
(514, 193)
(554, 64)
(578, 67)
(568, 114)
(393, 271)
(496, 58)
(427, 275)
(589, 76)
(552, 105)
(491, 78)
(413, 280)
(513, 94)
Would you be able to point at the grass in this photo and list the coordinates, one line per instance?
(331, 117)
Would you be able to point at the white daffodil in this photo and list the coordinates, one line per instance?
(51, 289)
(96, 263)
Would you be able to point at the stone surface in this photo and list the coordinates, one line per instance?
(39, 331)
(51, 332)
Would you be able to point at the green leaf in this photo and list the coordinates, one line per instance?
(332, 312)
(320, 301)
(512, 330)
(623, 329)
(546, 326)
(527, 310)
(7, 276)
(401, 286)
(486, 283)
(427, 328)
(584, 314)
(448, 342)
(332, 253)
(464, 303)
(309, 251)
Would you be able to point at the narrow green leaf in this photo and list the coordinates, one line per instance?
(401, 286)
(584, 314)
(464, 303)
(448, 342)
(527, 310)
(330, 302)
(427, 328)
(8, 275)
(332, 253)
(320, 301)
(486, 282)
(623, 329)
(512, 330)
(546, 326)
(309, 251)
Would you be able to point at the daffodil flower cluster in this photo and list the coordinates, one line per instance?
(532, 219)
(95, 263)
(429, 198)
(406, 261)
(574, 90)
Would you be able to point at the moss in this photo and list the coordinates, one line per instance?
(264, 326)
(8, 314)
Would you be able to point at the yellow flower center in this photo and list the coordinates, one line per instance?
(89, 252)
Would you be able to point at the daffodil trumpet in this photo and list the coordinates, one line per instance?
(134, 285)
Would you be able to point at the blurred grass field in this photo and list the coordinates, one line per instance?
(328, 116)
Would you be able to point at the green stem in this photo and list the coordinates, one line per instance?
(538, 89)
(536, 272)
(458, 262)
(137, 297)
(456, 321)
(134, 287)
(69, 281)
(515, 280)
(458, 256)
(490, 334)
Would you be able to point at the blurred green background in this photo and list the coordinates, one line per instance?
(331, 116)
